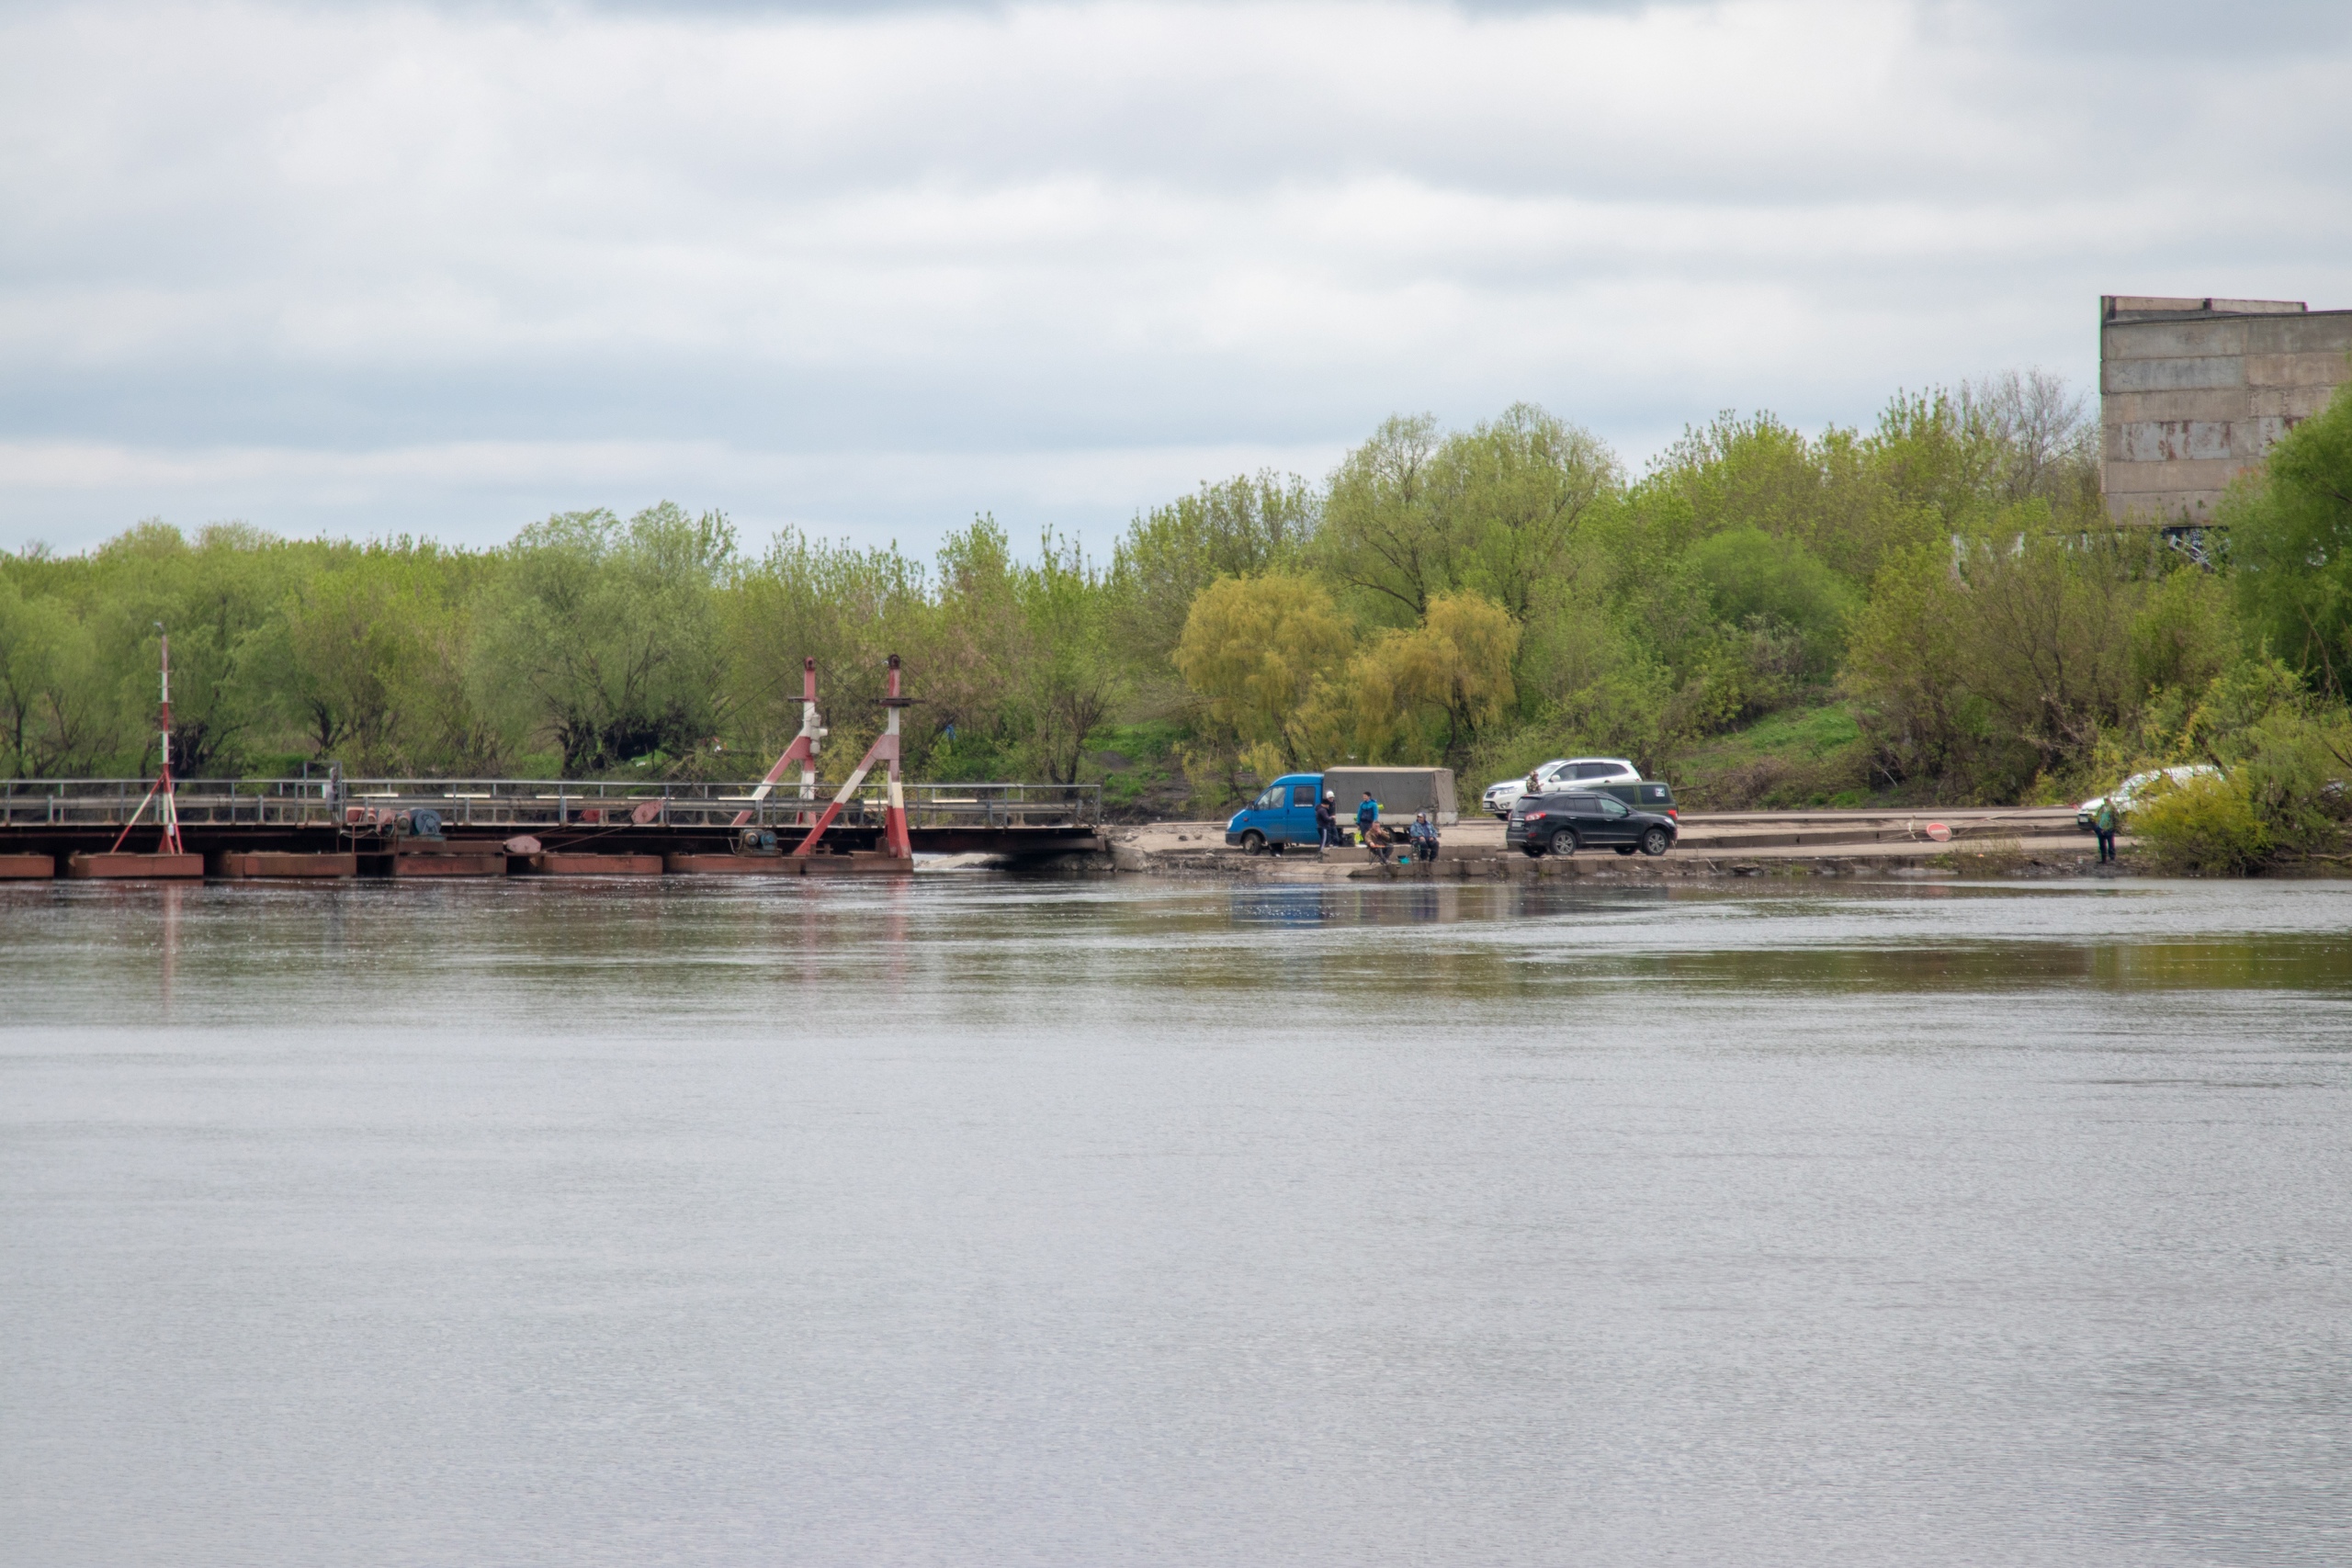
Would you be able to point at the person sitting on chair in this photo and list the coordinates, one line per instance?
(1424, 836)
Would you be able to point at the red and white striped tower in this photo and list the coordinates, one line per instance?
(803, 748)
(895, 838)
(168, 811)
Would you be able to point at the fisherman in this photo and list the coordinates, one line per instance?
(2103, 824)
(1423, 834)
(1367, 817)
(1326, 823)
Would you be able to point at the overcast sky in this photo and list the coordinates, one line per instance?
(870, 269)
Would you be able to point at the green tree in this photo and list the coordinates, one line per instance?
(1246, 527)
(1253, 649)
(216, 599)
(1508, 496)
(604, 637)
(1430, 691)
(343, 644)
(1382, 535)
(1759, 581)
(1072, 671)
(1832, 495)
(61, 710)
(1493, 511)
(2010, 658)
(2290, 530)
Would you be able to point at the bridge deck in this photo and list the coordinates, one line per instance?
(61, 817)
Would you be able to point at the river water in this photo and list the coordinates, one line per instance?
(980, 1220)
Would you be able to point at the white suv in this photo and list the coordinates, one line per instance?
(2127, 793)
(1557, 775)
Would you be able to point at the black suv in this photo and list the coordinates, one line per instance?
(1563, 824)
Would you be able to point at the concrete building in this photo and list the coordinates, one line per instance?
(2191, 391)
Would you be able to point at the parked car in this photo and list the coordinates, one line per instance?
(1564, 823)
(2139, 785)
(1648, 795)
(1558, 774)
(1503, 794)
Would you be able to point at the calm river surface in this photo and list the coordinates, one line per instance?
(974, 1221)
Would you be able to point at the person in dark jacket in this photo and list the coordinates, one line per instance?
(1327, 822)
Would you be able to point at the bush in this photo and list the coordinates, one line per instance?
(2285, 750)
(2205, 827)
(1776, 585)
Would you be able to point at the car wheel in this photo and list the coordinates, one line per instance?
(1253, 842)
(1656, 840)
(1563, 842)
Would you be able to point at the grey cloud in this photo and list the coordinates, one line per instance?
(757, 240)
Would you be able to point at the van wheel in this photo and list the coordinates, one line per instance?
(1253, 842)
(1656, 840)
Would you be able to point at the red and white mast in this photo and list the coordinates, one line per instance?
(170, 811)
(803, 748)
(895, 839)
(167, 812)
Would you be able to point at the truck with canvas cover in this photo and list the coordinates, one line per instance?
(1284, 812)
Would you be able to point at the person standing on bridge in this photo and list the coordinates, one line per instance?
(1367, 817)
(1326, 823)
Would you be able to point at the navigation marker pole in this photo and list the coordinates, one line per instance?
(168, 813)
(804, 748)
(895, 839)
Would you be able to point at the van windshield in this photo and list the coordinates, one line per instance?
(1269, 801)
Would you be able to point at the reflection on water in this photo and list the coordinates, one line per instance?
(970, 1219)
(92, 952)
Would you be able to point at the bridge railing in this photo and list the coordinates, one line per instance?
(367, 804)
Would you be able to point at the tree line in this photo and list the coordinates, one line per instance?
(1486, 597)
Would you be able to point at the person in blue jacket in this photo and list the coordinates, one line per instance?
(1367, 814)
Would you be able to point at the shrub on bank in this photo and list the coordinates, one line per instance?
(2204, 828)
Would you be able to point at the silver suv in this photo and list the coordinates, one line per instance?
(1558, 774)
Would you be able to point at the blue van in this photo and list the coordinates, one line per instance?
(1283, 813)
